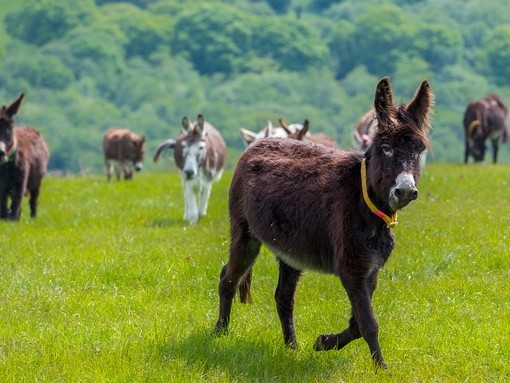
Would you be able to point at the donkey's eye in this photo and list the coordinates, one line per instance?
(388, 150)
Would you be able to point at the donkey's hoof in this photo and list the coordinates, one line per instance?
(380, 364)
(326, 342)
(220, 329)
(292, 344)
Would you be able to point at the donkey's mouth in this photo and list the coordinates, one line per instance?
(397, 203)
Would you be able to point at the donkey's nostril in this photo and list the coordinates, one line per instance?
(408, 194)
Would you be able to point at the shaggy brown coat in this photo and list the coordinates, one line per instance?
(305, 203)
(24, 159)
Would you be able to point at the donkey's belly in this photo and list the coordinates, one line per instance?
(302, 256)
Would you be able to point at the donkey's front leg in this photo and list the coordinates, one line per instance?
(362, 323)
(205, 193)
(15, 210)
(284, 296)
(190, 202)
(495, 148)
(361, 301)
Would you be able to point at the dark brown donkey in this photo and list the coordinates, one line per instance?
(306, 203)
(484, 119)
(23, 161)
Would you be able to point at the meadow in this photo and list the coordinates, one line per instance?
(109, 284)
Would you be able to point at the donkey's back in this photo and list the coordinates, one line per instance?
(33, 153)
(290, 198)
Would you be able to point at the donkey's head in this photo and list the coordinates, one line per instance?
(7, 139)
(193, 146)
(394, 156)
(138, 152)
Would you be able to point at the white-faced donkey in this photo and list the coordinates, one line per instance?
(200, 154)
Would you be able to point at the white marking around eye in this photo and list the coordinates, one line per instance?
(388, 150)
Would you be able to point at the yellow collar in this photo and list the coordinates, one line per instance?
(391, 222)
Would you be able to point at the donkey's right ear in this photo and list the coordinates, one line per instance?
(12, 109)
(385, 108)
(304, 130)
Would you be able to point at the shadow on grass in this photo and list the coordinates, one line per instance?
(242, 359)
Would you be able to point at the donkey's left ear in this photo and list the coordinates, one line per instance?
(12, 109)
(420, 107)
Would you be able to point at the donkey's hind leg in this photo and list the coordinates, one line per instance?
(284, 296)
(243, 252)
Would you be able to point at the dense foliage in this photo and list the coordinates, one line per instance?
(86, 65)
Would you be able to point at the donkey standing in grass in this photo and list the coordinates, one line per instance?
(329, 210)
(23, 163)
(200, 154)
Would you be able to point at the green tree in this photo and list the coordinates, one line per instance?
(144, 31)
(440, 45)
(214, 37)
(498, 55)
(96, 53)
(40, 21)
(377, 38)
(280, 6)
(38, 69)
(290, 42)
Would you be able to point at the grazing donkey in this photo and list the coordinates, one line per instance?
(123, 151)
(23, 163)
(328, 210)
(200, 154)
(484, 119)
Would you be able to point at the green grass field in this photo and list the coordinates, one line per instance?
(108, 284)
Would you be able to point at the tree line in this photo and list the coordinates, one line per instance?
(143, 64)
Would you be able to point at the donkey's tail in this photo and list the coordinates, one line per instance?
(170, 143)
(244, 288)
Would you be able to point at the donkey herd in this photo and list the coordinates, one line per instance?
(313, 205)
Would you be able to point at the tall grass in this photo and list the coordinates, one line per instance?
(108, 284)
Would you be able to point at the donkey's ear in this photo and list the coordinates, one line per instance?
(247, 136)
(186, 125)
(12, 109)
(385, 108)
(268, 129)
(421, 105)
(200, 122)
(304, 130)
(284, 125)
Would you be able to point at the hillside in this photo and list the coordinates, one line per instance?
(87, 65)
